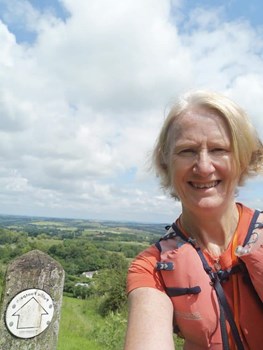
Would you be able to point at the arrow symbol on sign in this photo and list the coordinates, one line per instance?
(30, 314)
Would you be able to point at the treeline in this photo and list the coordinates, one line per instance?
(82, 254)
(80, 246)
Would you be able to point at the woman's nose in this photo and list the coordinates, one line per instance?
(203, 164)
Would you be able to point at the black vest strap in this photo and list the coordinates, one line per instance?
(251, 226)
(228, 314)
(177, 291)
(225, 311)
(224, 334)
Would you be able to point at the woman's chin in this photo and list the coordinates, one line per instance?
(208, 204)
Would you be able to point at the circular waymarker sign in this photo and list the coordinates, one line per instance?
(29, 313)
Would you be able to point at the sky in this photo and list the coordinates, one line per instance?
(85, 86)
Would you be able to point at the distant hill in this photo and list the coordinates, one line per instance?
(27, 223)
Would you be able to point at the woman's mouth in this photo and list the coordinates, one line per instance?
(206, 185)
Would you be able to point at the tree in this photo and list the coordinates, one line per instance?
(110, 284)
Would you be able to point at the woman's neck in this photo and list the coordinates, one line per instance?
(212, 231)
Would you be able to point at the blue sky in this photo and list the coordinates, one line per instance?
(84, 88)
(233, 9)
(13, 14)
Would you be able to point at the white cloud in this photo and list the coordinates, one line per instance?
(124, 55)
(247, 90)
(81, 104)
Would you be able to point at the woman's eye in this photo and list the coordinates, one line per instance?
(187, 152)
(218, 150)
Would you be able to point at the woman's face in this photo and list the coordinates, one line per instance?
(202, 164)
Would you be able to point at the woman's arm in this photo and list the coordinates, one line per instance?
(150, 322)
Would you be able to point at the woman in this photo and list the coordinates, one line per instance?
(204, 278)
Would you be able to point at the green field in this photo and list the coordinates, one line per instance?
(93, 318)
(81, 327)
(76, 326)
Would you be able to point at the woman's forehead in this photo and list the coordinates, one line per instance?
(198, 116)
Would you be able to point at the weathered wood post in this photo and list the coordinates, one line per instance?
(31, 303)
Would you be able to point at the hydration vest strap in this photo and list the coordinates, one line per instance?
(225, 310)
(252, 226)
(175, 232)
(158, 246)
(229, 316)
(223, 330)
(177, 291)
(178, 232)
(224, 274)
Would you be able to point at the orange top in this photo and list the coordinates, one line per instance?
(142, 273)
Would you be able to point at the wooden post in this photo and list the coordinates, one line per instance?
(31, 303)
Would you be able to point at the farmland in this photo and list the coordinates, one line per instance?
(95, 317)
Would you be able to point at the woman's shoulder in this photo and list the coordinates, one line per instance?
(248, 218)
(142, 270)
(147, 258)
(247, 211)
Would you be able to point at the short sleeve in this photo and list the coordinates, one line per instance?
(142, 271)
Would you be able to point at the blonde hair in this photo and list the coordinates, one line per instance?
(246, 144)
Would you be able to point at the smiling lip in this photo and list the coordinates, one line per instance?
(202, 186)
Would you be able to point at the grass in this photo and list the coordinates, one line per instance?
(77, 324)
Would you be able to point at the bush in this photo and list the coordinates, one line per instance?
(82, 291)
(110, 285)
(111, 334)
